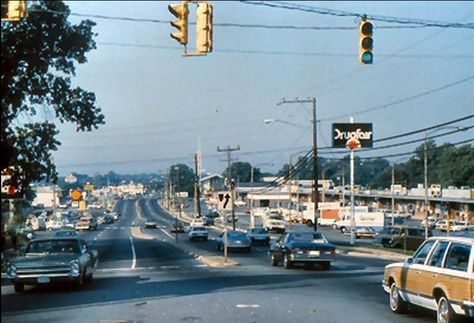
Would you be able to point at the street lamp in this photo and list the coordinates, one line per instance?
(425, 155)
(252, 217)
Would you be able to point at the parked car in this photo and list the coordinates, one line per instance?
(438, 277)
(235, 240)
(198, 233)
(86, 223)
(401, 237)
(54, 225)
(53, 260)
(151, 224)
(431, 222)
(461, 226)
(259, 235)
(306, 247)
(442, 225)
(364, 232)
(177, 227)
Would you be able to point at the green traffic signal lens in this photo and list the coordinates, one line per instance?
(367, 58)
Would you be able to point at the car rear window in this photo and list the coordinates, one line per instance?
(458, 257)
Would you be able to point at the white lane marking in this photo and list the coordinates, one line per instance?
(247, 305)
(169, 235)
(200, 266)
(169, 267)
(124, 269)
(134, 255)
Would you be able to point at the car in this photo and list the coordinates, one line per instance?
(53, 260)
(307, 247)
(431, 222)
(364, 232)
(177, 227)
(236, 240)
(66, 233)
(151, 224)
(461, 226)
(198, 233)
(86, 223)
(401, 237)
(442, 225)
(259, 235)
(197, 223)
(438, 277)
(274, 223)
(54, 225)
(208, 220)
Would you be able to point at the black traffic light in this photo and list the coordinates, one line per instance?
(366, 42)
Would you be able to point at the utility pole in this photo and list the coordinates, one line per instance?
(197, 196)
(315, 155)
(229, 150)
(393, 191)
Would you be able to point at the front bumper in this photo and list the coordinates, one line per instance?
(35, 279)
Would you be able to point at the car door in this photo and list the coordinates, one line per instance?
(412, 274)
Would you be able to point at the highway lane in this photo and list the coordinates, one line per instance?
(168, 284)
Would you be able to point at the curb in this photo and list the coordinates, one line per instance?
(217, 261)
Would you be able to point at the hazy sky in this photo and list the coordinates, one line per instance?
(160, 106)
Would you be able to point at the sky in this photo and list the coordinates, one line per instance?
(161, 107)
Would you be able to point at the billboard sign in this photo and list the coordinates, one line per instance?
(342, 132)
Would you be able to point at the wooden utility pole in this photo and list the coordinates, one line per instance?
(315, 155)
(197, 194)
(231, 185)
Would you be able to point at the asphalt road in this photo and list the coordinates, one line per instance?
(153, 278)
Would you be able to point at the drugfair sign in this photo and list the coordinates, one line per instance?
(342, 132)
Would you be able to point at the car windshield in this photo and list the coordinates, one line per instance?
(199, 229)
(53, 246)
(235, 235)
(259, 230)
(307, 237)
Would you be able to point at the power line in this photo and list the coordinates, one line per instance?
(340, 13)
(407, 99)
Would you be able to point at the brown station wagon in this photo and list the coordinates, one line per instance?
(439, 277)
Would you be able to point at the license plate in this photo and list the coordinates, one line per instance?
(313, 253)
(43, 280)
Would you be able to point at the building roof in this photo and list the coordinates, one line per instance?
(211, 176)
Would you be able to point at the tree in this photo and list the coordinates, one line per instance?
(186, 179)
(39, 57)
(243, 172)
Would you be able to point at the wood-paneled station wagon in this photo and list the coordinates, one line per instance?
(439, 277)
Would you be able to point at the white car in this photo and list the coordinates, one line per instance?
(461, 226)
(442, 225)
(197, 223)
(54, 225)
(198, 233)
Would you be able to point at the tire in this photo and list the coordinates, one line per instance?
(273, 260)
(249, 249)
(309, 223)
(343, 229)
(19, 287)
(89, 278)
(79, 282)
(444, 311)
(287, 262)
(397, 304)
(334, 227)
(326, 265)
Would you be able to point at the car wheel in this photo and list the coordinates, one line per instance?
(273, 260)
(19, 287)
(287, 262)
(89, 278)
(444, 311)
(343, 229)
(334, 227)
(79, 282)
(397, 304)
(309, 223)
(326, 265)
(249, 249)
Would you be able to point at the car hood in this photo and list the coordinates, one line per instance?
(310, 245)
(44, 260)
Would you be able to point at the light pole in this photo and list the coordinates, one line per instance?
(252, 216)
(179, 203)
(425, 157)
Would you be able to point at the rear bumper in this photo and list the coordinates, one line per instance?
(308, 258)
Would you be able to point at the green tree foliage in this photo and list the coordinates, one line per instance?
(186, 178)
(39, 58)
(243, 172)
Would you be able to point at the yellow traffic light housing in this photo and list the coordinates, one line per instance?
(13, 10)
(366, 42)
(180, 11)
(204, 27)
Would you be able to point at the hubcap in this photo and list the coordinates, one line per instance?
(443, 311)
(394, 297)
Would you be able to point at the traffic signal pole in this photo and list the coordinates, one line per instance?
(228, 150)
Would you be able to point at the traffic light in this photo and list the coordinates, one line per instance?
(180, 11)
(204, 27)
(13, 10)
(366, 42)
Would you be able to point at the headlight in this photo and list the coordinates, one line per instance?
(11, 271)
(297, 250)
(74, 267)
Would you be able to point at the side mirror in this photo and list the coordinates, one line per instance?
(409, 260)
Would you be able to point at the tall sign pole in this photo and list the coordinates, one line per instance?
(229, 150)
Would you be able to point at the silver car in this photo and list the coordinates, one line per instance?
(235, 240)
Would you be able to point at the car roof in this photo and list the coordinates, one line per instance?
(453, 239)
(58, 238)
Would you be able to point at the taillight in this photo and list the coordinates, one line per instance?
(333, 252)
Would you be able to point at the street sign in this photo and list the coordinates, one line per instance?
(76, 195)
(182, 194)
(343, 132)
(70, 179)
